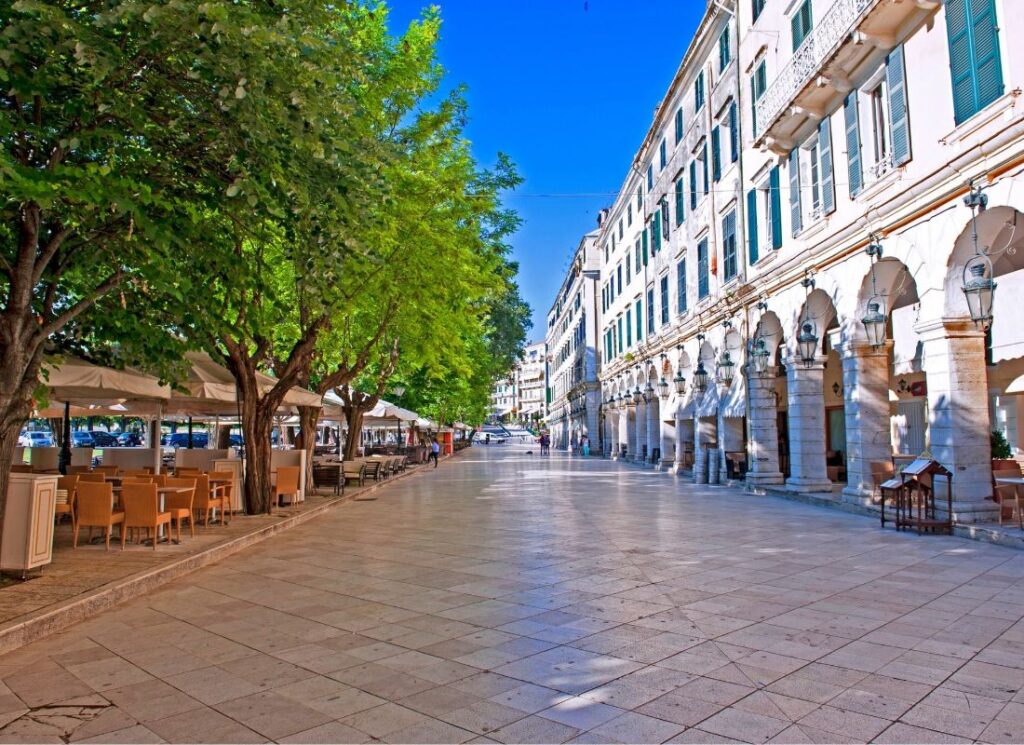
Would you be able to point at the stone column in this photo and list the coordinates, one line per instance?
(627, 425)
(703, 432)
(866, 409)
(762, 407)
(681, 440)
(959, 426)
(640, 435)
(807, 426)
(666, 440)
(653, 426)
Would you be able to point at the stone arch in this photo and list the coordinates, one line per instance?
(1000, 233)
(819, 309)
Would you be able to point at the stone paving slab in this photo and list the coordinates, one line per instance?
(513, 598)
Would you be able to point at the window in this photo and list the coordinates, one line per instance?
(650, 177)
(639, 320)
(681, 285)
(650, 311)
(724, 52)
(974, 60)
(643, 241)
(716, 153)
(795, 202)
(629, 214)
(664, 218)
(656, 232)
(702, 268)
(662, 155)
(680, 199)
(756, 7)
(611, 290)
(729, 245)
(851, 118)
(693, 184)
(639, 199)
(698, 92)
(620, 333)
(664, 300)
(704, 162)
(619, 276)
(734, 132)
(620, 229)
(679, 125)
(758, 84)
(629, 328)
(801, 23)
(638, 264)
(627, 270)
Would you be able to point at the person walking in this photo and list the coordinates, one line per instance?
(435, 449)
(585, 446)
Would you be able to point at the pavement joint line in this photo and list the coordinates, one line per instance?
(51, 620)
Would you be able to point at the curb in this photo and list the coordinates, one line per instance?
(50, 620)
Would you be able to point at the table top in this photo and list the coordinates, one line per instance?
(1009, 480)
(165, 489)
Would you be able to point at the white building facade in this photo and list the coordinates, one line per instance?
(503, 399)
(783, 272)
(531, 384)
(573, 323)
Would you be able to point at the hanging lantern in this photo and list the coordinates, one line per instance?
(807, 343)
(649, 392)
(761, 356)
(979, 288)
(638, 395)
(663, 387)
(700, 377)
(680, 382)
(725, 368)
(874, 324)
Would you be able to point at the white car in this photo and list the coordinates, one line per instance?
(35, 440)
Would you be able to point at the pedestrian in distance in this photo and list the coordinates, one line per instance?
(435, 449)
(585, 446)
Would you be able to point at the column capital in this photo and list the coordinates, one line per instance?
(941, 328)
(795, 364)
(861, 348)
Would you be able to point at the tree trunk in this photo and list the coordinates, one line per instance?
(257, 422)
(354, 418)
(308, 416)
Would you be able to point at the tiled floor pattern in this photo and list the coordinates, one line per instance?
(511, 598)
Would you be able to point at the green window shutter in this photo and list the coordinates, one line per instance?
(795, 206)
(801, 24)
(776, 199)
(828, 181)
(895, 80)
(704, 160)
(644, 239)
(656, 232)
(987, 62)
(851, 118)
(752, 225)
(974, 60)
(679, 125)
(734, 133)
(723, 49)
(693, 184)
(716, 153)
(639, 321)
(680, 200)
(629, 328)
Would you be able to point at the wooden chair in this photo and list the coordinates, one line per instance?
(66, 486)
(142, 510)
(205, 501)
(160, 479)
(223, 490)
(329, 474)
(95, 509)
(180, 506)
(1008, 496)
(188, 472)
(352, 469)
(287, 484)
(79, 469)
(92, 477)
(147, 479)
(147, 471)
(107, 470)
(372, 469)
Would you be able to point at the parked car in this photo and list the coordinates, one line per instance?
(180, 440)
(129, 439)
(35, 440)
(81, 439)
(103, 439)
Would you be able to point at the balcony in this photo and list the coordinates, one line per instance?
(842, 49)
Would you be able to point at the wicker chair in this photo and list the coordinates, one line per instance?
(142, 510)
(353, 469)
(95, 510)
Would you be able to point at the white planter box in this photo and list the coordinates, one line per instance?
(28, 522)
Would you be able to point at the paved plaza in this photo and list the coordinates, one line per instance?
(513, 598)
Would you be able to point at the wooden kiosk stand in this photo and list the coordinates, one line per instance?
(913, 495)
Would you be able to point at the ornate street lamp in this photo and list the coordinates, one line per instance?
(663, 388)
(979, 288)
(807, 343)
(649, 392)
(638, 395)
(700, 378)
(874, 319)
(680, 383)
(761, 356)
(725, 368)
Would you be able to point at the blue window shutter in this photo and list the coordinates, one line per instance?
(679, 125)
(704, 160)
(795, 207)
(776, 199)
(895, 80)
(680, 201)
(681, 284)
(850, 116)
(639, 321)
(752, 225)
(974, 60)
(987, 63)
(734, 133)
(828, 181)
(656, 232)
(716, 154)
(644, 239)
(693, 184)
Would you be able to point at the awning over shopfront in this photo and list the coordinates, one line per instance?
(734, 405)
(708, 405)
(79, 383)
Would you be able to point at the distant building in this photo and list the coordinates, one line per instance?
(573, 322)
(531, 384)
(503, 399)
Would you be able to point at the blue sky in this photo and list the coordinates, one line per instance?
(567, 89)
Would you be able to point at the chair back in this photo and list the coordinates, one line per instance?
(147, 479)
(1006, 473)
(67, 484)
(79, 469)
(147, 471)
(95, 503)
(202, 493)
(140, 504)
(107, 470)
(288, 480)
(188, 471)
(184, 500)
(160, 479)
(92, 477)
